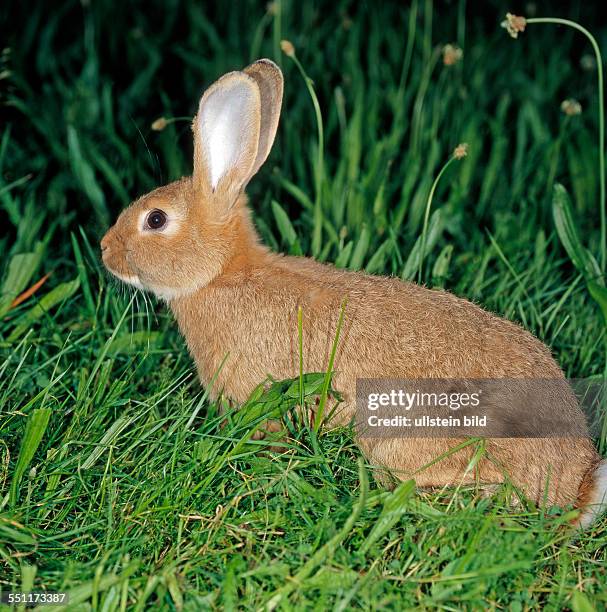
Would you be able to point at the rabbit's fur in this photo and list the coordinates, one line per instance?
(232, 296)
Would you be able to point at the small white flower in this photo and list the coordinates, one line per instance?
(588, 62)
(451, 55)
(514, 24)
(571, 107)
(159, 124)
(287, 48)
(461, 150)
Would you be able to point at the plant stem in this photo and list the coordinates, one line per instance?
(301, 368)
(327, 381)
(427, 216)
(428, 9)
(599, 66)
(277, 31)
(319, 173)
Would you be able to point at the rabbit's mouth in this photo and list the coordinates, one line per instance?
(129, 279)
(164, 293)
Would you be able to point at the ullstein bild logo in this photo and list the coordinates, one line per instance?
(497, 408)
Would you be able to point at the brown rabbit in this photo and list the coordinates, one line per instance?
(193, 244)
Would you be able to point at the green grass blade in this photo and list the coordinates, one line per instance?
(569, 235)
(21, 269)
(59, 294)
(37, 423)
(285, 228)
(394, 508)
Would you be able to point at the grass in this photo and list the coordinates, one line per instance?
(117, 482)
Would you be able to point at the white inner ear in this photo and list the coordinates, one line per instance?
(225, 125)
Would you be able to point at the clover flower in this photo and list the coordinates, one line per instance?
(159, 124)
(571, 107)
(514, 24)
(287, 48)
(451, 55)
(461, 150)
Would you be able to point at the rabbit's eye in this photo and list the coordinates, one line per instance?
(156, 220)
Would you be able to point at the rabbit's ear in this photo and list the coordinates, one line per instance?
(226, 137)
(269, 79)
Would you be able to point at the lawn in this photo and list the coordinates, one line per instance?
(119, 481)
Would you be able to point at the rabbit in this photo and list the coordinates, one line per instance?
(193, 244)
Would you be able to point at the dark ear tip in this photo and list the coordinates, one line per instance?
(268, 62)
(265, 64)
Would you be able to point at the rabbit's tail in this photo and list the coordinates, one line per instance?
(592, 496)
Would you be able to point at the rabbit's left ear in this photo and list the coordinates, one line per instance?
(226, 137)
(269, 79)
(234, 130)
